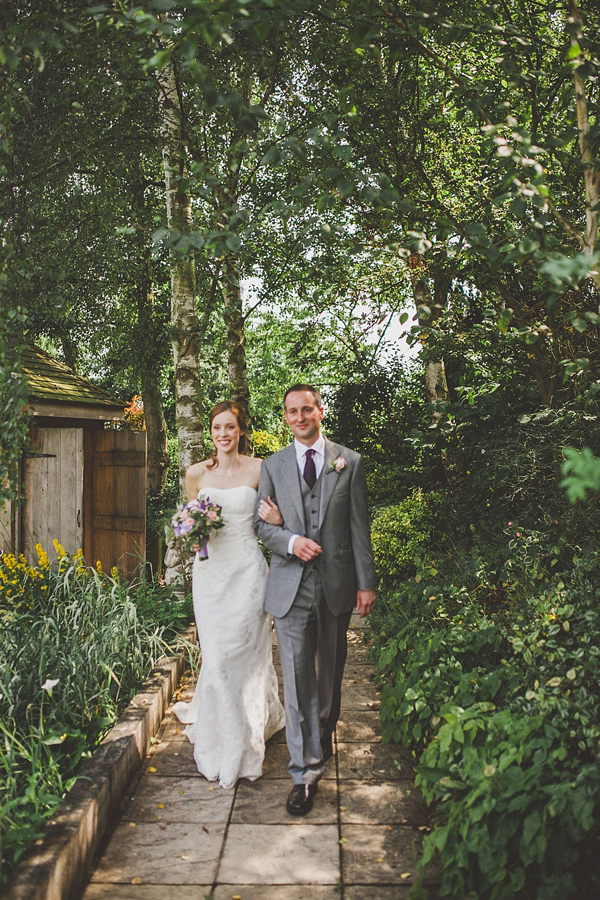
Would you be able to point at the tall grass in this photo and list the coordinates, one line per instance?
(75, 644)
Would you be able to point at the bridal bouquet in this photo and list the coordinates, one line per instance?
(194, 521)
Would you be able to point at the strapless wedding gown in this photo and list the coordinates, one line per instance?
(235, 707)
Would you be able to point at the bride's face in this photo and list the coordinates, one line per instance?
(225, 432)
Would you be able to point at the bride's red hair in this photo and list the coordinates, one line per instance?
(238, 412)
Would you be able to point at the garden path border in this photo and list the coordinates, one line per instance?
(57, 866)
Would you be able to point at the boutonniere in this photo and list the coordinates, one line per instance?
(338, 464)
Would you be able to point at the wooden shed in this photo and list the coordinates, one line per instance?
(82, 484)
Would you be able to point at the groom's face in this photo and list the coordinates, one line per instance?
(303, 416)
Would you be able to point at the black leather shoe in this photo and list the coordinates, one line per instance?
(326, 747)
(300, 800)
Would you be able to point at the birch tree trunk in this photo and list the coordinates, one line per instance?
(236, 337)
(184, 321)
(436, 385)
(156, 427)
(588, 158)
(149, 370)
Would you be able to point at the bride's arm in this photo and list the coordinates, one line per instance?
(269, 512)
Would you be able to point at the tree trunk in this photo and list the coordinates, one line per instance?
(236, 338)
(436, 385)
(588, 157)
(157, 464)
(184, 322)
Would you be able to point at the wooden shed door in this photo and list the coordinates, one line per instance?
(53, 476)
(118, 514)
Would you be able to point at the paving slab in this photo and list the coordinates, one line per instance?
(381, 854)
(359, 694)
(172, 799)
(373, 762)
(172, 730)
(263, 803)
(276, 761)
(377, 892)
(161, 854)
(359, 726)
(278, 854)
(143, 892)
(359, 669)
(277, 892)
(382, 803)
(172, 758)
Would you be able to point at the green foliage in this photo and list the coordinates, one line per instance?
(399, 534)
(76, 644)
(490, 668)
(264, 444)
(14, 421)
(582, 473)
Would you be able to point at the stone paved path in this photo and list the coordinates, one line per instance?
(182, 838)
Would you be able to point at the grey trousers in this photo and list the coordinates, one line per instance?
(312, 646)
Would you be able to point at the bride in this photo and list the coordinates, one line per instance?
(235, 707)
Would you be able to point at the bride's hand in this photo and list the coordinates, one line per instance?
(268, 511)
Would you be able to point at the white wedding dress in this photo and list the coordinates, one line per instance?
(235, 707)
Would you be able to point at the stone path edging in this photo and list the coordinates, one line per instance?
(57, 866)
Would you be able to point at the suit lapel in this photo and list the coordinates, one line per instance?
(329, 478)
(289, 471)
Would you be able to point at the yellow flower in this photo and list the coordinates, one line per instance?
(60, 550)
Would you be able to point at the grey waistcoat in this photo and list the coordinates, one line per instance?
(311, 501)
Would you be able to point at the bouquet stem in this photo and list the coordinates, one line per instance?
(202, 553)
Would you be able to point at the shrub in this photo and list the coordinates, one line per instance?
(76, 644)
(491, 674)
(265, 444)
(398, 534)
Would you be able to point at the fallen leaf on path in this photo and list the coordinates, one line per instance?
(152, 768)
(185, 857)
(160, 805)
(405, 874)
(137, 880)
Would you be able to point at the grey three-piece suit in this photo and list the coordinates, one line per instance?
(312, 602)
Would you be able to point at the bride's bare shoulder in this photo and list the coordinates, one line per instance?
(194, 477)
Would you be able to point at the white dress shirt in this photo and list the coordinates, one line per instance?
(319, 461)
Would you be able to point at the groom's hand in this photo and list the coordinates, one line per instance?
(305, 549)
(365, 601)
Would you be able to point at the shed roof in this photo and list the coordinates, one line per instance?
(51, 380)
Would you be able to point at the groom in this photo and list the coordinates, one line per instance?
(321, 569)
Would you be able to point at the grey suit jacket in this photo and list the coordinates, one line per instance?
(346, 563)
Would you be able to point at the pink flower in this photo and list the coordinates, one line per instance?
(518, 533)
(338, 464)
(510, 523)
(211, 514)
(189, 521)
